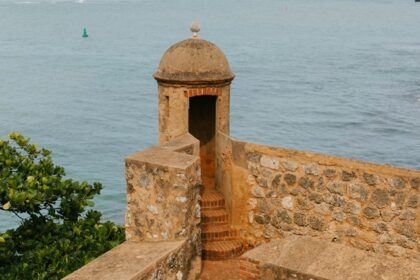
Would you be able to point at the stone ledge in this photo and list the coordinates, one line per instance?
(316, 259)
(325, 159)
(164, 158)
(134, 260)
(186, 143)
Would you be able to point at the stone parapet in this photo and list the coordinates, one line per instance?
(186, 144)
(163, 192)
(162, 220)
(276, 192)
(312, 259)
(134, 260)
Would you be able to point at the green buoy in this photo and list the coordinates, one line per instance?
(85, 35)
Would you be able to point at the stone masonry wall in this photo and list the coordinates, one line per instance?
(162, 220)
(172, 266)
(163, 194)
(137, 260)
(368, 206)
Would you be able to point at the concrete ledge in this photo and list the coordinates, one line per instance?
(298, 257)
(136, 260)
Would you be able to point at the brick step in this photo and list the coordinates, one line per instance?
(218, 233)
(214, 217)
(212, 200)
(221, 250)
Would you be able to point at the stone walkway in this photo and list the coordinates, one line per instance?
(220, 270)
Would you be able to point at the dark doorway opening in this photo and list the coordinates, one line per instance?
(202, 125)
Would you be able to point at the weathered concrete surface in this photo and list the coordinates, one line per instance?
(136, 261)
(309, 257)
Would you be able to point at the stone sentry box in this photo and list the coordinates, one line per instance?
(194, 80)
(163, 182)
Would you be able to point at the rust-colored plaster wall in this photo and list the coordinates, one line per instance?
(276, 192)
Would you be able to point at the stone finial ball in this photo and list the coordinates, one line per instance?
(195, 27)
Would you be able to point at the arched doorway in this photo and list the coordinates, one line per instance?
(202, 125)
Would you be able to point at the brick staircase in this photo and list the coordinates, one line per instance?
(220, 241)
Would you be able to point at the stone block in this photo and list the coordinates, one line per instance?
(370, 179)
(415, 183)
(348, 175)
(305, 182)
(269, 162)
(262, 218)
(258, 192)
(300, 219)
(380, 227)
(287, 202)
(289, 178)
(290, 165)
(315, 197)
(357, 191)
(407, 229)
(399, 199)
(371, 212)
(352, 207)
(275, 182)
(338, 215)
(312, 169)
(330, 172)
(337, 187)
(316, 223)
(407, 215)
(254, 157)
(396, 182)
(413, 201)
(388, 214)
(380, 198)
(354, 220)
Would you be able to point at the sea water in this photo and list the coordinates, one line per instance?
(340, 77)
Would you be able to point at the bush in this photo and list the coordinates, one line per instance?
(56, 235)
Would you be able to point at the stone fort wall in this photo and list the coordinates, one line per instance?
(274, 192)
(163, 217)
(163, 185)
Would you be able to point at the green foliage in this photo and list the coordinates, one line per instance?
(55, 237)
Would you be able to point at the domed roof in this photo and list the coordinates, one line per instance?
(194, 61)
